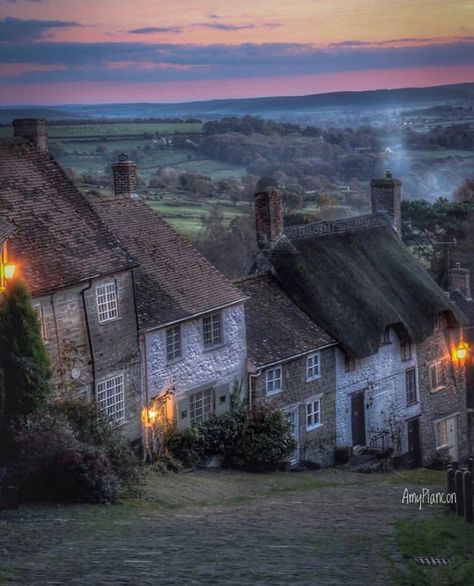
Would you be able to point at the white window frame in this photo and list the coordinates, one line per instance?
(440, 436)
(38, 307)
(110, 396)
(313, 366)
(174, 343)
(107, 301)
(437, 369)
(411, 370)
(311, 411)
(210, 325)
(274, 380)
(201, 405)
(406, 351)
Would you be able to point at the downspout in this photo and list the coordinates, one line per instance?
(88, 331)
(251, 378)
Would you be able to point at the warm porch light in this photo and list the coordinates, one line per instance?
(9, 271)
(462, 350)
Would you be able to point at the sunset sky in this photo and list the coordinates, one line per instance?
(86, 51)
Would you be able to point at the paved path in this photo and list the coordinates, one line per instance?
(331, 535)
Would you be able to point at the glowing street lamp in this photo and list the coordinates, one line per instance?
(7, 269)
(462, 350)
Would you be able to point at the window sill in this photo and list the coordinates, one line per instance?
(312, 378)
(174, 361)
(212, 348)
(438, 389)
(271, 393)
(417, 402)
(313, 427)
(108, 321)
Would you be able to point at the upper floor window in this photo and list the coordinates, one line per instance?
(313, 413)
(201, 405)
(38, 307)
(385, 339)
(274, 380)
(111, 397)
(313, 368)
(405, 351)
(349, 364)
(437, 375)
(173, 343)
(438, 322)
(212, 330)
(107, 302)
(410, 383)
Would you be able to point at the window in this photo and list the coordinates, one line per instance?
(107, 305)
(410, 383)
(173, 343)
(349, 364)
(385, 336)
(312, 367)
(38, 307)
(212, 330)
(111, 397)
(313, 413)
(438, 322)
(201, 406)
(441, 428)
(405, 351)
(437, 376)
(273, 381)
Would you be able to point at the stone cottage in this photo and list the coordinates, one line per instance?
(191, 319)
(397, 380)
(80, 278)
(291, 366)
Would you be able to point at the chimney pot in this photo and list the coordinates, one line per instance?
(33, 129)
(460, 280)
(386, 198)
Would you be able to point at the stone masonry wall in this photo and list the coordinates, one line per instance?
(316, 445)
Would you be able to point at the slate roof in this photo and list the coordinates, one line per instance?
(174, 281)
(276, 328)
(60, 241)
(357, 279)
(6, 229)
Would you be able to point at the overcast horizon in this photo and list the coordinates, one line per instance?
(65, 52)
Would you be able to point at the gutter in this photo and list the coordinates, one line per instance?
(294, 356)
(89, 337)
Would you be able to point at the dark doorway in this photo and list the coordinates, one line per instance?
(358, 419)
(414, 446)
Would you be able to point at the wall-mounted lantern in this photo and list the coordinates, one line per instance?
(461, 351)
(7, 269)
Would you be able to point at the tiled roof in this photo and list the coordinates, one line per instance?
(6, 229)
(276, 328)
(59, 240)
(174, 281)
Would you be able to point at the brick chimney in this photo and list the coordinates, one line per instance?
(125, 177)
(33, 129)
(460, 280)
(268, 217)
(386, 197)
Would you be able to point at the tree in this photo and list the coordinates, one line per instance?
(24, 361)
(265, 183)
(465, 193)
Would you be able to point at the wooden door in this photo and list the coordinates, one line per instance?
(414, 445)
(358, 419)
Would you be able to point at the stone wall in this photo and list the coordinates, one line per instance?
(110, 349)
(315, 445)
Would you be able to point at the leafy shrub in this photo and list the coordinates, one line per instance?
(73, 454)
(166, 464)
(342, 454)
(254, 438)
(184, 446)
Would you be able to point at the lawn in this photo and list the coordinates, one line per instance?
(229, 528)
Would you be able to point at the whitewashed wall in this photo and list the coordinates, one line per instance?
(382, 377)
(199, 367)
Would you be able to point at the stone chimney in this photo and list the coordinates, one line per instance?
(33, 129)
(125, 177)
(268, 217)
(386, 198)
(460, 280)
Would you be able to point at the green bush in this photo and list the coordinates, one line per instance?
(253, 438)
(73, 454)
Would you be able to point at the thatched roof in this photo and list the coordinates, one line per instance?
(355, 282)
(6, 229)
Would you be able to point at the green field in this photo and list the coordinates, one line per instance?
(102, 130)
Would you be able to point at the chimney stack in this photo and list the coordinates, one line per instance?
(125, 177)
(386, 198)
(268, 217)
(34, 130)
(460, 280)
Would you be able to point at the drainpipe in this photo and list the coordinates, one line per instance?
(251, 377)
(88, 331)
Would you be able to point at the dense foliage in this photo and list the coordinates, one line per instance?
(24, 363)
(253, 438)
(72, 453)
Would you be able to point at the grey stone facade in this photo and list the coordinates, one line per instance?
(84, 352)
(316, 444)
